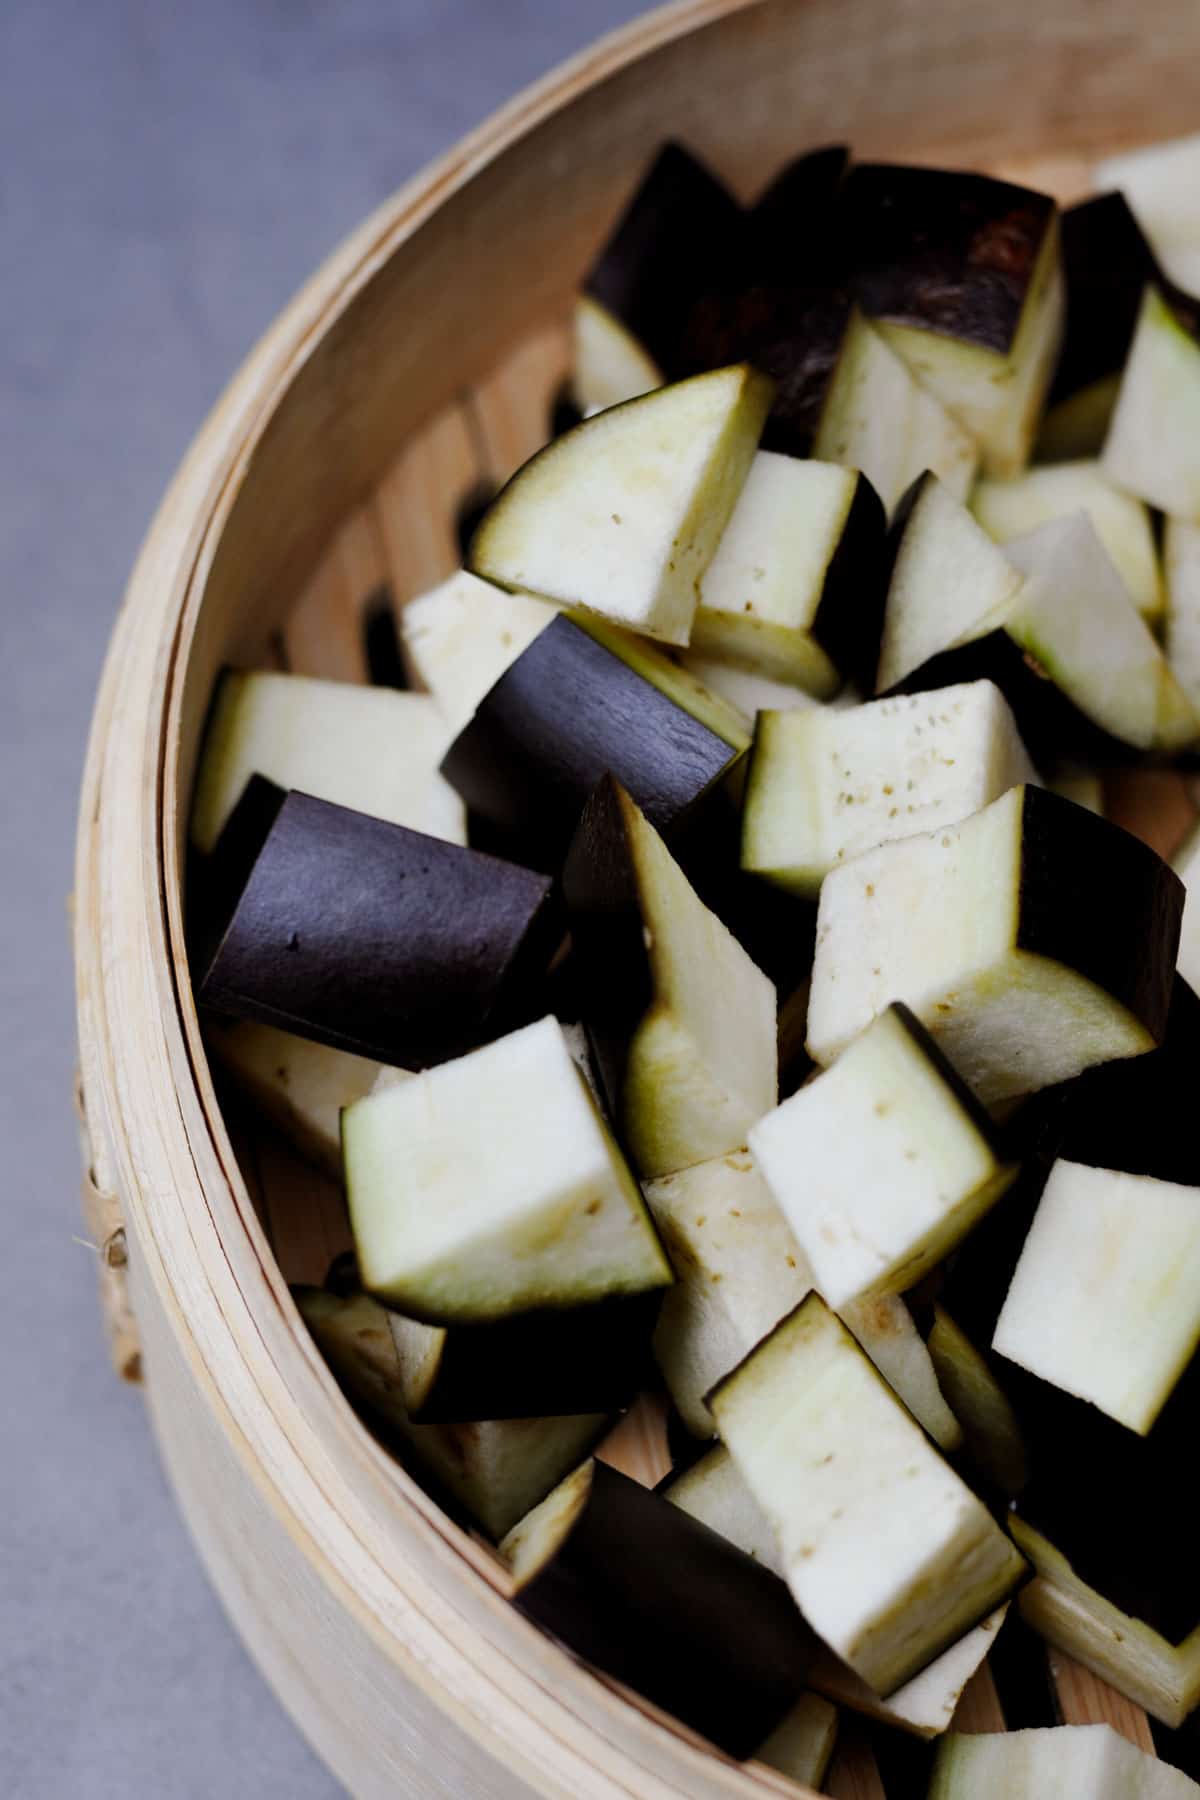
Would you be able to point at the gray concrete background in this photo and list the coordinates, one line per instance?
(169, 174)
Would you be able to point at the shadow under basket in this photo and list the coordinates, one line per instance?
(331, 484)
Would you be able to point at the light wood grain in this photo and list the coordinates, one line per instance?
(1083, 1699)
(638, 1445)
(1155, 804)
(416, 504)
(323, 632)
(979, 1710)
(853, 1773)
(340, 454)
(513, 405)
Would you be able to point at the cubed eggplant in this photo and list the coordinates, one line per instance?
(841, 394)
(1022, 978)
(797, 586)
(882, 1163)
(824, 785)
(891, 1558)
(960, 273)
(579, 704)
(491, 1187)
(370, 748)
(491, 1471)
(675, 230)
(680, 1018)
(369, 937)
(622, 514)
(656, 1599)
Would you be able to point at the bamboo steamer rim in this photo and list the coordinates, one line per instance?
(387, 1554)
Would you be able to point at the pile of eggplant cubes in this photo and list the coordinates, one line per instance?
(715, 974)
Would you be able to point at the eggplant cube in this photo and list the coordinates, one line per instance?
(739, 1270)
(1075, 618)
(1106, 264)
(1181, 552)
(1161, 183)
(826, 785)
(1157, 1670)
(889, 1555)
(494, 1470)
(924, 1706)
(802, 1745)
(663, 1603)
(881, 1164)
(843, 396)
(374, 749)
(1058, 1759)
(1079, 666)
(990, 931)
(1121, 1330)
(622, 514)
(961, 275)
(682, 1022)
(368, 937)
(1187, 863)
(714, 1491)
(581, 701)
(1153, 443)
(1010, 509)
(609, 365)
(491, 1186)
(461, 636)
(948, 578)
(796, 587)
(676, 228)
(545, 1363)
(297, 1084)
(752, 693)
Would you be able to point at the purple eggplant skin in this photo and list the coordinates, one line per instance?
(1050, 723)
(1107, 263)
(1121, 1508)
(659, 1601)
(537, 1364)
(777, 930)
(609, 955)
(792, 330)
(1128, 945)
(381, 641)
(534, 1365)
(794, 212)
(215, 881)
(1136, 1115)
(947, 252)
(905, 1763)
(676, 228)
(1139, 1548)
(1020, 1664)
(1179, 1747)
(379, 940)
(778, 303)
(1052, 727)
(559, 718)
(848, 623)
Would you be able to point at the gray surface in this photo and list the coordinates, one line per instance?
(168, 176)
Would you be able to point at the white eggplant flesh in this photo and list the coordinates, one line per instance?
(623, 514)
(376, 750)
(491, 1185)
(1105, 1298)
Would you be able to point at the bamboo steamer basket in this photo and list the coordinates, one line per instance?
(417, 368)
